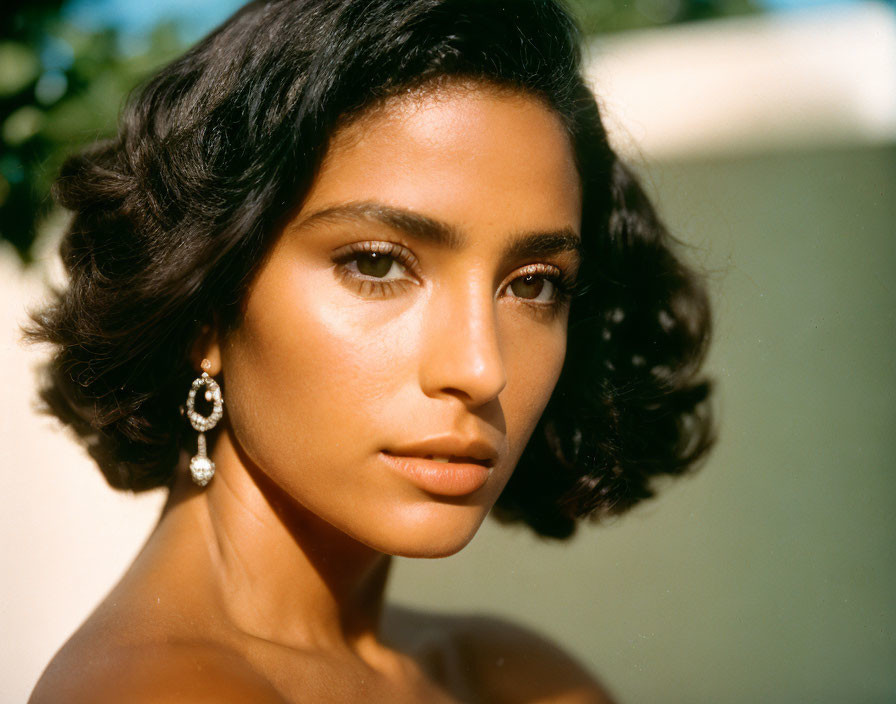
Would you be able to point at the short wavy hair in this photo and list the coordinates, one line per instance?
(172, 217)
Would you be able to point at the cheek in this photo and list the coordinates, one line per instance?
(317, 377)
(307, 366)
(534, 359)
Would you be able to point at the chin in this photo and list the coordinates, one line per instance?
(433, 550)
(431, 531)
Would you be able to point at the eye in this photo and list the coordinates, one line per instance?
(533, 287)
(376, 269)
(377, 265)
(540, 285)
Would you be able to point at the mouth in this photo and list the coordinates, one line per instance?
(453, 459)
(441, 475)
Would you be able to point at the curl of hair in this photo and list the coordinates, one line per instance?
(172, 217)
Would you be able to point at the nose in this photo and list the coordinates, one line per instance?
(461, 351)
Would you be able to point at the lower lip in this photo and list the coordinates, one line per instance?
(442, 478)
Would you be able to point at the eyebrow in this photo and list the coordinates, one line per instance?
(422, 227)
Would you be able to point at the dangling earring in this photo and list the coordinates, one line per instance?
(202, 468)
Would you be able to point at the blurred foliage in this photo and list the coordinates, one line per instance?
(62, 87)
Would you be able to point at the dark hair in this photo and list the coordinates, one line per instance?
(172, 217)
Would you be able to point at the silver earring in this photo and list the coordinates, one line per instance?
(202, 468)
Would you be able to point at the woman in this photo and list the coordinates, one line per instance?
(382, 254)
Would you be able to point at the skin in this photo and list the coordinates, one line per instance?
(268, 585)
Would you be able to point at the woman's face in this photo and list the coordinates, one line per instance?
(411, 313)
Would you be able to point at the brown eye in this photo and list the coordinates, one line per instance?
(529, 286)
(374, 264)
(373, 267)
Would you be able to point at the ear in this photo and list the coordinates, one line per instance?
(206, 353)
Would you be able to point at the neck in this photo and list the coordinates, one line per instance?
(281, 573)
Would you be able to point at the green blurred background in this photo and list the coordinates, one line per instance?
(768, 576)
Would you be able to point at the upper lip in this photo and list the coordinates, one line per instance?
(455, 448)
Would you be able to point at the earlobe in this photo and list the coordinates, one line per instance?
(206, 353)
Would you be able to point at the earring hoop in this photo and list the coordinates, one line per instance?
(202, 469)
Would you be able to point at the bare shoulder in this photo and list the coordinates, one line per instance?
(519, 665)
(145, 674)
(506, 663)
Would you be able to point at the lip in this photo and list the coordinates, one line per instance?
(460, 450)
(458, 477)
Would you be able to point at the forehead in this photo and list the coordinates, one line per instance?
(474, 157)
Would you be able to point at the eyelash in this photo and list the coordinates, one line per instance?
(564, 284)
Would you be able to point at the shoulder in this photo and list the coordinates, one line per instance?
(148, 674)
(503, 662)
(517, 664)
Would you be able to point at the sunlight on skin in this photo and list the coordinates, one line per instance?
(397, 348)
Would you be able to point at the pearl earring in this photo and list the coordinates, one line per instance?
(202, 468)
